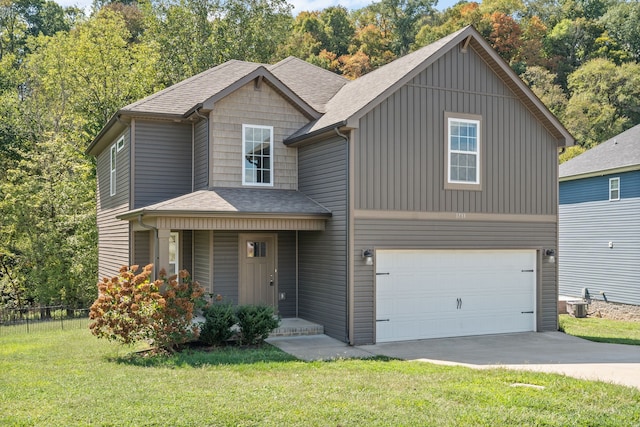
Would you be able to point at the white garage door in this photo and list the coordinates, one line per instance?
(432, 294)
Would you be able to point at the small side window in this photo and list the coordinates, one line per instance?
(120, 143)
(112, 181)
(614, 189)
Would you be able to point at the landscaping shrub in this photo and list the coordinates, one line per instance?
(131, 308)
(255, 322)
(219, 318)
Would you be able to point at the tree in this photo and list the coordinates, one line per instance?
(542, 82)
(338, 29)
(622, 22)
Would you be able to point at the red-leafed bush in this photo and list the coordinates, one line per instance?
(131, 308)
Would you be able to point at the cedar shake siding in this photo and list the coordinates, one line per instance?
(323, 255)
(264, 107)
(162, 161)
(113, 234)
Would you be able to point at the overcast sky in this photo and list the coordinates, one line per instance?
(298, 5)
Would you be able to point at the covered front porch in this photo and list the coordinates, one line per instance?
(241, 245)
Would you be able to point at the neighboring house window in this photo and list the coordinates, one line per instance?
(174, 253)
(462, 151)
(113, 170)
(614, 188)
(257, 166)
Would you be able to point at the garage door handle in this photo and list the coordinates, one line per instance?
(383, 320)
(526, 312)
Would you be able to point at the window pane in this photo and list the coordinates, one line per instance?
(256, 249)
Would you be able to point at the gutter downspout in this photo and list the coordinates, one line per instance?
(350, 290)
(193, 152)
(156, 244)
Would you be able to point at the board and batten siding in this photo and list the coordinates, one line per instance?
(400, 145)
(113, 234)
(202, 259)
(201, 155)
(264, 107)
(585, 259)
(162, 161)
(323, 255)
(420, 234)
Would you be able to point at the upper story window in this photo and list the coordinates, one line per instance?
(112, 179)
(257, 165)
(120, 143)
(463, 152)
(614, 188)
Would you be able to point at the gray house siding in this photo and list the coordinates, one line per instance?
(186, 245)
(323, 255)
(399, 166)
(113, 234)
(584, 257)
(201, 155)
(287, 273)
(225, 265)
(400, 146)
(417, 234)
(142, 248)
(162, 161)
(201, 259)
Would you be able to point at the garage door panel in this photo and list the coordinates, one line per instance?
(429, 294)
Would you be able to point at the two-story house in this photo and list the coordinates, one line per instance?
(599, 221)
(417, 201)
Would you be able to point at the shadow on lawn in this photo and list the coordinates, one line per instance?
(198, 356)
(609, 340)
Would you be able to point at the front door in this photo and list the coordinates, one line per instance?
(258, 278)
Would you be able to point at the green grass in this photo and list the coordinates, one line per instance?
(70, 378)
(601, 330)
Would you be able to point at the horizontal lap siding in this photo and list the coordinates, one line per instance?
(322, 255)
(584, 257)
(225, 265)
(201, 155)
(187, 251)
(113, 234)
(401, 234)
(163, 161)
(201, 259)
(287, 273)
(142, 252)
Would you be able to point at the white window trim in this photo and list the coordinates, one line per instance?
(450, 184)
(120, 143)
(611, 189)
(113, 167)
(176, 262)
(244, 166)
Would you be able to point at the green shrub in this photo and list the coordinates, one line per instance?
(255, 322)
(219, 318)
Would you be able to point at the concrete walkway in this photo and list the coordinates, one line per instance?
(552, 352)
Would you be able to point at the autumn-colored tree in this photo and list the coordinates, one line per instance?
(354, 66)
(505, 35)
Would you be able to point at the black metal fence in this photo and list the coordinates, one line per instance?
(36, 319)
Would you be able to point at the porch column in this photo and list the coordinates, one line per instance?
(163, 249)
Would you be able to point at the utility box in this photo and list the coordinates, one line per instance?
(577, 309)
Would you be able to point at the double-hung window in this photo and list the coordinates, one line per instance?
(463, 152)
(257, 164)
(614, 189)
(113, 177)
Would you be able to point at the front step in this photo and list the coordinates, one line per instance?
(294, 327)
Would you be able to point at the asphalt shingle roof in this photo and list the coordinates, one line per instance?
(238, 200)
(621, 151)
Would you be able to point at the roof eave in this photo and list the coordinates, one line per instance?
(315, 135)
(153, 213)
(603, 172)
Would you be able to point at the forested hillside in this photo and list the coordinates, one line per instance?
(63, 74)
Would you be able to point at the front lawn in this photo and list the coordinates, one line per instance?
(601, 330)
(69, 378)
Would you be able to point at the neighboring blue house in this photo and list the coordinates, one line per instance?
(599, 247)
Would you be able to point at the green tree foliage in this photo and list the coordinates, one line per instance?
(622, 22)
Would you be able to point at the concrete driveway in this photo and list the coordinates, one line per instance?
(553, 352)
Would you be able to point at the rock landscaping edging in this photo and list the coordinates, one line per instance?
(614, 311)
